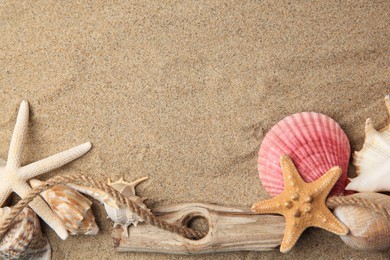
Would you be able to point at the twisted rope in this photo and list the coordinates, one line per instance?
(336, 201)
(77, 178)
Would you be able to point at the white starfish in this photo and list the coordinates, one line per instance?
(14, 177)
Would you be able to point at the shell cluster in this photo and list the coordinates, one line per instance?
(315, 143)
(24, 240)
(368, 217)
(72, 208)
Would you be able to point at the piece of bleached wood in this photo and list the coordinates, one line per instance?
(230, 229)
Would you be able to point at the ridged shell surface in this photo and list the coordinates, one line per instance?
(24, 240)
(313, 141)
(72, 209)
(372, 162)
(124, 216)
(369, 222)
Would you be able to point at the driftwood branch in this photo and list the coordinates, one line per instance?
(230, 229)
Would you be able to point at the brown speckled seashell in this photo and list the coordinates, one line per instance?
(24, 240)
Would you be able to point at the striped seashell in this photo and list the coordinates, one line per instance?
(314, 142)
(372, 162)
(120, 214)
(368, 219)
(24, 240)
(72, 208)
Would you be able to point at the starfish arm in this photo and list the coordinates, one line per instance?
(271, 206)
(5, 191)
(326, 182)
(43, 210)
(18, 136)
(53, 162)
(330, 223)
(291, 235)
(290, 173)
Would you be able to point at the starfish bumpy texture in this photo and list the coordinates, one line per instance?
(14, 177)
(302, 204)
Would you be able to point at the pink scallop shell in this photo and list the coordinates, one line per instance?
(314, 142)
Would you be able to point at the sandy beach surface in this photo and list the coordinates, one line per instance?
(184, 93)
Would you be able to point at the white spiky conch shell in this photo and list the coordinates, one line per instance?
(72, 208)
(24, 240)
(369, 229)
(372, 162)
(123, 216)
(120, 214)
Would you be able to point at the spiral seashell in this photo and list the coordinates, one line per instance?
(120, 214)
(24, 240)
(314, 142)
(367, 217)
(72, 209)
(372, 162)
(123, 216)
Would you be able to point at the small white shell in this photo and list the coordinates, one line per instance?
(372, 163)
(24, 240)
(72, 209)
(369, 229)
(120, 214)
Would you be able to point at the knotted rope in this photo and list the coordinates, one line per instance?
(336, 201)
(79, 178)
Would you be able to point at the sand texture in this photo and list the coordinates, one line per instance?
(184, 92)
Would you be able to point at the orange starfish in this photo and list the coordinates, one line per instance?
(302, 204)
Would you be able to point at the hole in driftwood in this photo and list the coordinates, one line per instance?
(198, 223)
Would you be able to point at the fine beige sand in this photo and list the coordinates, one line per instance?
(184, 92)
